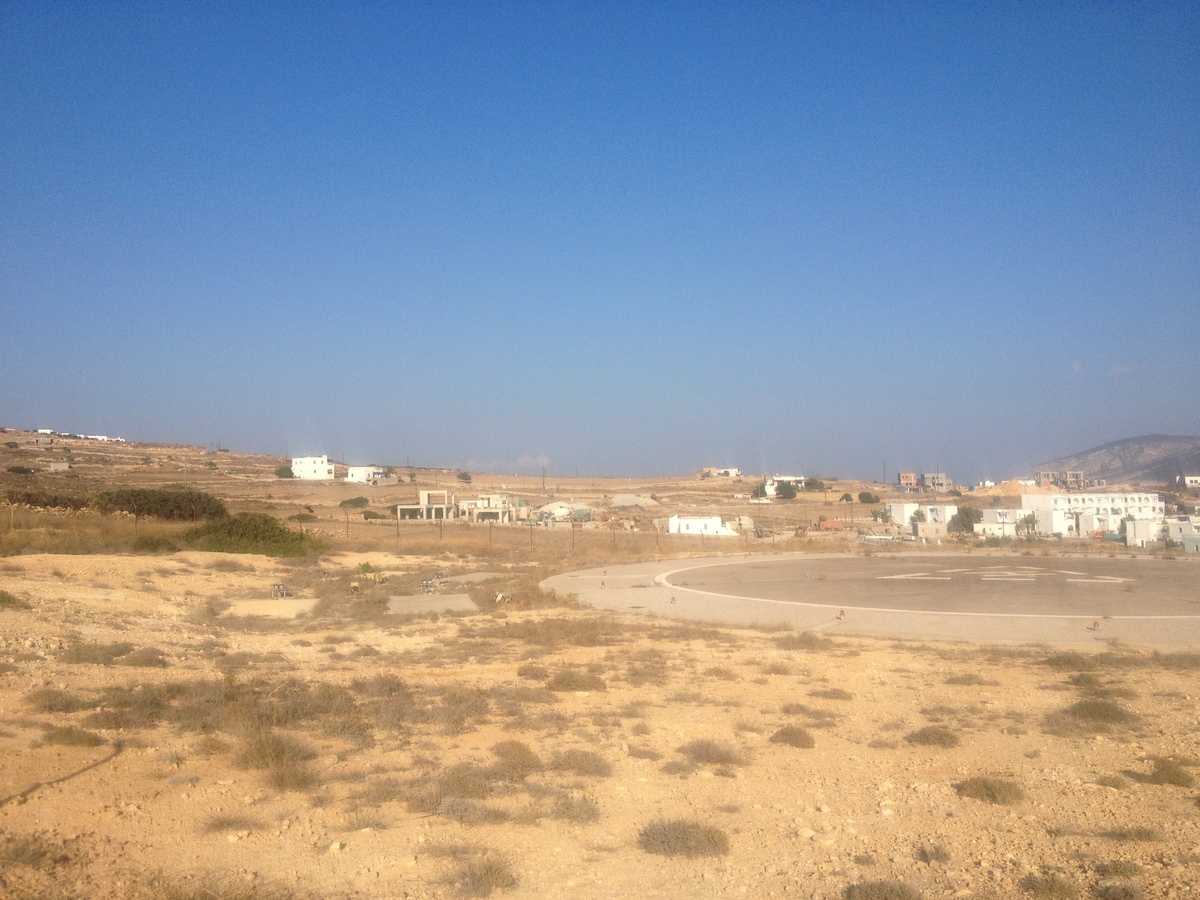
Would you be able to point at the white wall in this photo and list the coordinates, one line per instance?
(312, 468)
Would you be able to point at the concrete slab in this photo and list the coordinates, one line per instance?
(977, 597)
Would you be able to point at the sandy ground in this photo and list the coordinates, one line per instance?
(421, 793)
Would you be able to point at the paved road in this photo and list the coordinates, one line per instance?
(1148, 602)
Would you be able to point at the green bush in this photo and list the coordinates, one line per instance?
(284, 472)
(177, 504)
(46, 499)
(354, 503)
(867, 497)
(371, 514)
(20, 470)
(251, 533)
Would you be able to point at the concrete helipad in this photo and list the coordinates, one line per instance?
(1152, 602)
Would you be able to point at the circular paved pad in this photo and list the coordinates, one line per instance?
(1051, 599)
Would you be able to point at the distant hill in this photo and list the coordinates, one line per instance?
(1152, 459)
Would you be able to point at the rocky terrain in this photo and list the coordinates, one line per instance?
(1152, 459)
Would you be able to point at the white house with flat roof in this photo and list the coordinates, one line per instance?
(364, 474)
(702, 525)
(1092, 512)
(312, 468)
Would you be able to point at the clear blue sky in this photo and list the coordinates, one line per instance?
(617, 238)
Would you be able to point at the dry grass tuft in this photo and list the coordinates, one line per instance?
(831, 694)
(571, 808)
(515, 761)
(1118, 868)
(1050, 885)
(804, 640)
(971, 679)
(70, 736)
(1118, 891)
(720, 672)
(477, 871)
(583, 762)
(882, 890)
(575, 680)
(794, 736)
(712, 753)
(1089, 716)
(12, 601)
(991, 790)
(52, 700)
(1133, 834)
(1169, 771)
(934, 736)
(683, 837)
(30, 851)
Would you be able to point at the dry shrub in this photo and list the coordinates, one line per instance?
(933, 736)
(208, 887)
(642, 752)
(1072, 662)
(471, 812)
(882, 890)
(515, 761)
(31, 851)
(1138, 833)
(459, 708)
(478, 872)
(816, 715)
(794, 736)
(52, 700)
(555, 631)
(1089, 716)
(1120, 891)
(720, 672)
(70, 736)
(12, 601)
(572, 808)
(583, 762)
(283, 757)
(683, 837)
(712, 753)
(575, 680)
(364, 820)
(96, 654)
(969, 679)
(532, 670)
(991, 790)
(1049, 885)
(804, 640)
(831, 694)
(1118, 868)
(146, 658)
(1120, 782)
(1169, 771)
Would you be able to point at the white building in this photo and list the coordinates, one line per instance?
(312, 468)
(488, 508)
(902, 513)
(702, 525)
(1092, 512)
(362, 474)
